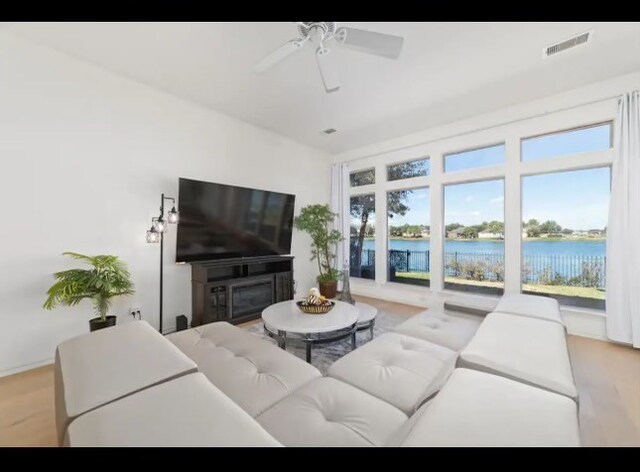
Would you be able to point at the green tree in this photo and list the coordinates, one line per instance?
(470, 232)
(496, 227)
(317, 221)
(532, 227)
(550, 226)
(452, 226)
(567, 231)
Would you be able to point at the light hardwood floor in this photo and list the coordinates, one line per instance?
(607, 375)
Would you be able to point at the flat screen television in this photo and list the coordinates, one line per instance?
(220, 221)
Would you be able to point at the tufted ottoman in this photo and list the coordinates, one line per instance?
(103, 366)
(204, 417)
(328, 412)
(442, 327)
(253, 372)
(401, 370)
(476, 409)
(522, 348)
(533, 306)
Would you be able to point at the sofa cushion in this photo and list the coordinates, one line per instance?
(526, 349)
(441, 327)
(328, 412)
(253, 372)
(401, 370)
(471, 305)
(99, 367)
(535, 306)
(188, 411)
(479, 409)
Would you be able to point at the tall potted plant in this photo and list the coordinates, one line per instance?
(317, 220)
(107, 278)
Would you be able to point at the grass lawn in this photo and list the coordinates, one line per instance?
(564, 290)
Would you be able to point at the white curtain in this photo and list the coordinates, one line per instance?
(623, 230)
(340, 205)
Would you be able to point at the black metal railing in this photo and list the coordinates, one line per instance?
(545, 269)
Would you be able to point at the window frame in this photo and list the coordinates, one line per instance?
(423, 187)
(406, 161)
(565, 131)
(444, 235)
(375, 177)
(473, 148)
(461, 137)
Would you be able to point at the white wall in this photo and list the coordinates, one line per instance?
(592, 104)
(85, 155)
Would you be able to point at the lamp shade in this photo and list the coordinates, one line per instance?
(173, 216)
(153, 236)
(159, 225)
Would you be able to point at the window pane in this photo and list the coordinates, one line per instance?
(484, 157)
(363, 236)
(363, 177)
(474, 240)
(409, 231)
(564, 236)
(406, 170)
(596, 138)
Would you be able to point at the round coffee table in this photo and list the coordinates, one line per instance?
(366, 317)
(285, 323)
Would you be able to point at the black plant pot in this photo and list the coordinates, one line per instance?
(98, 323)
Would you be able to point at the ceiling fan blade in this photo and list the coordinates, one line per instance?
(278, 55)
(328, 70)
(381, 44)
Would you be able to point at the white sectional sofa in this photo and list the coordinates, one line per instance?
(402, 388)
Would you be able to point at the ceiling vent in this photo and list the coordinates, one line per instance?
(578, 40)
(329, 131)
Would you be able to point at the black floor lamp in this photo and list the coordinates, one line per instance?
(156, 235)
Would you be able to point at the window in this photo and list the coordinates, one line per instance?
(409, 234)
(474, 239)
(564, 236)
(565, 143)
(483, 157)
(460, 196)
(406, 170)
(363, 236)
(362, 177)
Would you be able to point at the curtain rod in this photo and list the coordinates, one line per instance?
(486, 127)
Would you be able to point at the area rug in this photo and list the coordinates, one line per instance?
(323, 355)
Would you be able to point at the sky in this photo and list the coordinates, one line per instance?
(577, 200)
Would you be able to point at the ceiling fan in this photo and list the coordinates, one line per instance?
(321, 33)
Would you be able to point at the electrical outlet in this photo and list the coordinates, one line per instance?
(135, 312)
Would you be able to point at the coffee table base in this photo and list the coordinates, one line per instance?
(367, 325)
(284, 337)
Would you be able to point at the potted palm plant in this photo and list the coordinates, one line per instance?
(317, 220)
(107, 278)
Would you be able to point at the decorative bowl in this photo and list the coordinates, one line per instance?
(315, 309)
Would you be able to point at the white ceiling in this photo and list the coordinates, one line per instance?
(446, 71)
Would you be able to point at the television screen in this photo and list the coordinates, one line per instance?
(220, 221)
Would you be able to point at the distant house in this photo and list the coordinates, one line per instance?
(455, 233)
(580, 233)
(488, 235)
(595, 233)
(425, 233)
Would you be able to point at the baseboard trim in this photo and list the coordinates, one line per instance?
(23, 368)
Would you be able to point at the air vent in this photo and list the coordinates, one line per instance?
(329, 131)
(568, 44)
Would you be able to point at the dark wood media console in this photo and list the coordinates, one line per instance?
(238, 290)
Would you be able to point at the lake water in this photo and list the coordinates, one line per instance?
(581, 248)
